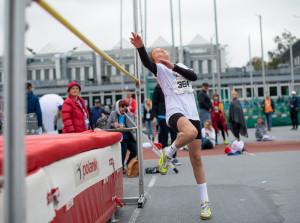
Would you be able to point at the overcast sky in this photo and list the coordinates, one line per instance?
(99, 20)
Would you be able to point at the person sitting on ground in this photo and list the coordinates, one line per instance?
(209, 135)
(260, 132)
(121, 118)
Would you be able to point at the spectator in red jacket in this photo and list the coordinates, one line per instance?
(131, 101)
(75, 115)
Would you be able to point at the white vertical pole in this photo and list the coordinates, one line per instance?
(292, 64)
(121, 46)
(250, 64)
(218, 51)
(212, 70)
(172, 29)
(142, 34)
(262, 57)
(145, 31)
(139, 115)
(14, 109)
(180, 35)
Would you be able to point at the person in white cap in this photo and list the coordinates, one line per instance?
(294, 108)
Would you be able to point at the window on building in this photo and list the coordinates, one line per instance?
(273, 91)
(224, 94)
(108, 100)
(0, 77)
(86, 73)
(284, 90)
(249, 93)
(118, 72)
(54, 74)
(47, 74)
(38, 75)
(69, 73)
(239, 92)
(108, 70)
(29, 75)
(119, 97)
(209, 66)
(127, 67)
(210, 93)
(192, 64)
(260, 92)
(297, 89)
(200, 67)
(77, 74)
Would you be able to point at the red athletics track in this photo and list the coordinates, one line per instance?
(256, 147)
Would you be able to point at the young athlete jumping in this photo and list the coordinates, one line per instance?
(181, 112)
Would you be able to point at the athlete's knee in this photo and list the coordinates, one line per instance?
(196, 159)
(191, 133)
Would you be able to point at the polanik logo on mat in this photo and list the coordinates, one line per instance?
(85, 169)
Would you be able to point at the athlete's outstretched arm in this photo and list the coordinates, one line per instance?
(136, 40)
(187, 73)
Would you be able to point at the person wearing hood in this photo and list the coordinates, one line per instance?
(75, 115)
(236, 117)
(121, 118)
(33, 106)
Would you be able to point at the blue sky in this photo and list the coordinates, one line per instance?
(99, 20)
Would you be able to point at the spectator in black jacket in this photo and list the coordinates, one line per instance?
(204, 104)
(159, 115)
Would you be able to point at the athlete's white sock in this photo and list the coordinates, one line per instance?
(203, 192)
(171, 150)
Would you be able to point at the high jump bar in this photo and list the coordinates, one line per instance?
(69, 26)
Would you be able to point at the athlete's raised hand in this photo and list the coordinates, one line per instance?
(136, 40)
(167, 63)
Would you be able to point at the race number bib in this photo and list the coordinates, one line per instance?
(148, 115)
(182, 85)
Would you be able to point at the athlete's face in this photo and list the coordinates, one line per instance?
(160, 54)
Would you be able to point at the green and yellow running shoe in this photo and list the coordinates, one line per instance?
(225, 142)
(205, 211)
(164, 162)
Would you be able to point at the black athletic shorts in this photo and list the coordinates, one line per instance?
(174, 119)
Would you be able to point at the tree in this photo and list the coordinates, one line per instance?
(282, 44)
(256, 63)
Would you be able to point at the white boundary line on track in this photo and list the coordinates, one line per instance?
(251, 154)
(152, 181)
(137, 211)
(134, 215)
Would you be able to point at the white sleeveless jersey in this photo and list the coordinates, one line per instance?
(178, 92)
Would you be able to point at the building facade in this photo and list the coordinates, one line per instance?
(51, 72)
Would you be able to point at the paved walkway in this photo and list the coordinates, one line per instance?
(261, 186)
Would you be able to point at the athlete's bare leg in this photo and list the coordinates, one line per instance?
(196, 161)
(187, 132)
